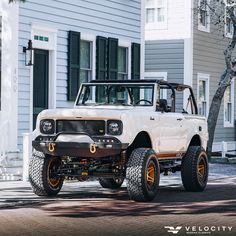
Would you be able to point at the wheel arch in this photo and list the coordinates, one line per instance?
(142, 140)
(195, 141)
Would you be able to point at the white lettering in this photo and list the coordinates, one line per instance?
(213, 228)
(194, 228)
(230, 228)
(206, 228)
(187, 228)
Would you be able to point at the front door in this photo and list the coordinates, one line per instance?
(40, 83)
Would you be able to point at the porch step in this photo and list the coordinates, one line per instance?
(11, 173)
(231, 154)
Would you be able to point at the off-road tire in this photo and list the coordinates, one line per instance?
(136, 175)
(111, 183)
(38, 175)
(195, 160)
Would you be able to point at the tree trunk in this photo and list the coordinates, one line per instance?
(215, 109)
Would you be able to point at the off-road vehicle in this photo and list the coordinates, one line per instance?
(118, 130)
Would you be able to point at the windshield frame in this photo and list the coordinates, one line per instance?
(129, 85)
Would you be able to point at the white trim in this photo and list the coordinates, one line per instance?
(200, 26)
(156, 75)
(142, 41)
(51, 46)
(206, 78)
(92, 39)
(126, 44)
(9, 75)
(226, 123)
(188, 53)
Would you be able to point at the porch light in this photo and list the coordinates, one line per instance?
(29, 54)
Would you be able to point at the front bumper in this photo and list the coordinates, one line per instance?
(97, 147)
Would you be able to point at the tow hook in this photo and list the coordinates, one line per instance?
(93, 148)
(51, 147)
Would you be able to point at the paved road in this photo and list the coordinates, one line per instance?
(87, 209)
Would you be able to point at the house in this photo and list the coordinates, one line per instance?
(185, 46)
(73, 41)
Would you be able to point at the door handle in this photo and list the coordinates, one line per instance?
(179, 119)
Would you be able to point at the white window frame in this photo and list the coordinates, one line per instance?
(157, 75)
(202, 27)
(156, 24)
(228, 124)
(127, 45)
(206, 78)
(91, 38)
(228, 34)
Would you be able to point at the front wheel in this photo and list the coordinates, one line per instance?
(43, 174)
(142, 174)
(194, 169)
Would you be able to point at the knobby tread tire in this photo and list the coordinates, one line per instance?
(38, 175)
(109, 183)
(189, 169)
(135, 175)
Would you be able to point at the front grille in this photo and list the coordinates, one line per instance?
(92, 127)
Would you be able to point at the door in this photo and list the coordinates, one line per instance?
(40, 82)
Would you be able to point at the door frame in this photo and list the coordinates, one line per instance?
(51, 46)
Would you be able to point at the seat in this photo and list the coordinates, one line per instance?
(163, 105)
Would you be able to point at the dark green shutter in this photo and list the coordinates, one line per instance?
(135, 61)
(73, 65)
(101, 58)
(112, 59)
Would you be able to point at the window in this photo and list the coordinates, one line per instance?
(229, 105)
(85, 61)
(0, 61)
(156, 12)
(204, 16)
(203, 94)
(122, 63)
(228, 25)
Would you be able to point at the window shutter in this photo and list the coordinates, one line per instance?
(135, 61)
(112, 59)
(73, 65)
(101, 58)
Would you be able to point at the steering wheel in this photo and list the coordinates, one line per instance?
(143, 100)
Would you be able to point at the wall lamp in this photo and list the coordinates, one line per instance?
(29, 54)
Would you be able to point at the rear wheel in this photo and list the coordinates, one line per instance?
(111, 183)
(43, 174)
(194, 169)
(143, 174)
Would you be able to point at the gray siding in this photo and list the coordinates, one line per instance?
(166, 56)
(208, 58)
(109, 18)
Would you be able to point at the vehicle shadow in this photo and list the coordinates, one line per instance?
(171, 200)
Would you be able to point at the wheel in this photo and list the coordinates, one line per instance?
(112, 183)
(194, 169)
(43, 174)
(143, 175)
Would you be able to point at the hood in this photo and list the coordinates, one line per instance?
(85, 113)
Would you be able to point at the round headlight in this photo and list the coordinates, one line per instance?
(114, 127)
(47, 126)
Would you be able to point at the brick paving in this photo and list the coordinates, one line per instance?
(87, 209)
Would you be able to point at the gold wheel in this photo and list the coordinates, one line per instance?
(150, 174)
(53, 178)
(202, 169)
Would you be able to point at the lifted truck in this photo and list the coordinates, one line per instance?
(118, 130)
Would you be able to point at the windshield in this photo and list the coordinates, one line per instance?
(116, 94)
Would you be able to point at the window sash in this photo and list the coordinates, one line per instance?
(155, 11)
